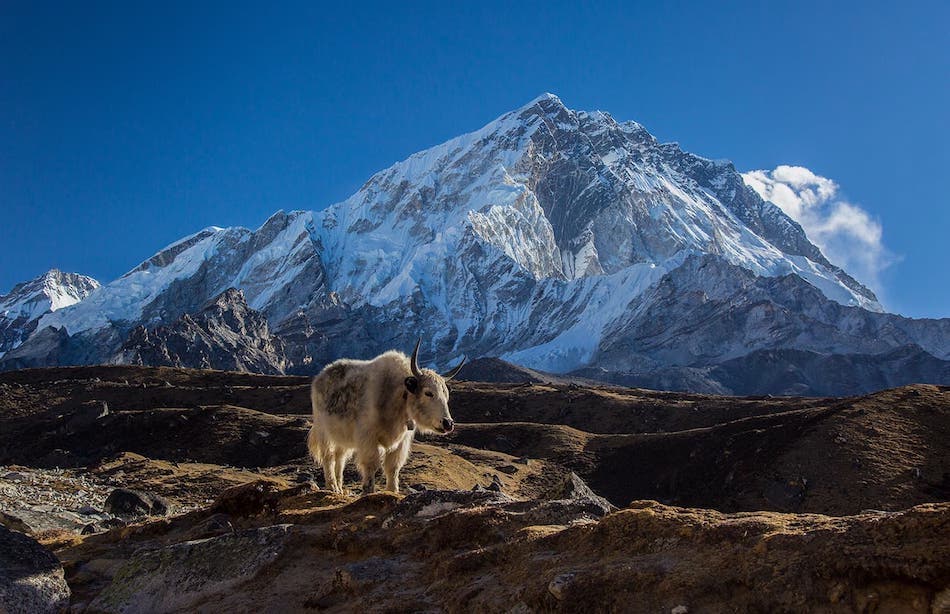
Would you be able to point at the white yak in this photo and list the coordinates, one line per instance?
(372, 408)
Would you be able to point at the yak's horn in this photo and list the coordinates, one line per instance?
(414, 360)
(450, 374)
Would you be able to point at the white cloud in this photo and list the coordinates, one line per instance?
(847, 234)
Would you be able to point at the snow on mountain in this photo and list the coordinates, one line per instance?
(544, 237)
(563, 194)
(30, 300)
(182, 277)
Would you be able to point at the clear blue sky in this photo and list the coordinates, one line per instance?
(123, 128)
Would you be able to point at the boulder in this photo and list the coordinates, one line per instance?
(178, 577)
(128, 503)
(573, 488)
(31, 577)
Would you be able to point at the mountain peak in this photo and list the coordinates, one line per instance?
(27, 302)
(58, 288)
(545, 99)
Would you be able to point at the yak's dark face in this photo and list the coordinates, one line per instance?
(429, 402)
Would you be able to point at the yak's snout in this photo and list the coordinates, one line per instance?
(447, 425)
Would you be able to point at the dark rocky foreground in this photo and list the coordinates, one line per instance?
(725, 504)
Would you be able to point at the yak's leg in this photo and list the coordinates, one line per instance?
(342, 456)
(322, 454)
(395, 459)
(367, 459)
(328, 461)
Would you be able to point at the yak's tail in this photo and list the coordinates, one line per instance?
(315, 444)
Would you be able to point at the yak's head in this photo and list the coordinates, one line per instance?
(429, 396)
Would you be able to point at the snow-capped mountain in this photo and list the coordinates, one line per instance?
(28, 301)
(553, 238)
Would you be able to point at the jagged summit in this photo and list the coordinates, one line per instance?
(28, 301)
(50, 291)
(547, 237)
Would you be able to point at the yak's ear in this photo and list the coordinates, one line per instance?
(412, 384)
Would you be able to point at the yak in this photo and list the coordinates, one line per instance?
(372, 408)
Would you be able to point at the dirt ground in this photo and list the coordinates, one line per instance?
(883, 451)
(724, 501)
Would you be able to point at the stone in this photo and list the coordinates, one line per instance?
(250, 499)
(15, 523)
(129, 503)
(85, 416)
(178, 577)
(574, 488)
(31, 577)
(560, 585)
(495, 485)
(430, 503)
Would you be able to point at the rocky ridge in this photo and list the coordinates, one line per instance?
(225, 334)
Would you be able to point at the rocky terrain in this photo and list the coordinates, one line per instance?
(166, 489)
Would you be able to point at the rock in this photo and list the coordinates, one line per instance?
(31, 577)
(509, 469)
(15, 523)
(101, 525)
(249, 499)
(560, 585)
(130, 503)
(573, 488)
(180, 576)
(558, 512)
(58, 458)
(680, 609)
(85, 416)
(431, 503)
(41, 518)
(374, 570)
(214, 525)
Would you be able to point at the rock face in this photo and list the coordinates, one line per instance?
(27, 302)
(225, 334)
(180, 576)
(551, 238)
(31, 577)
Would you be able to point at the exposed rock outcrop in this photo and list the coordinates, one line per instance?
(225, 334)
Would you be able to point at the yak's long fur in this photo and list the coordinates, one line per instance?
(371, 408)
